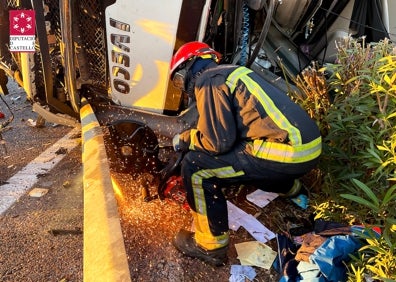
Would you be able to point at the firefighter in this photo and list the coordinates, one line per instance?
(247, 130)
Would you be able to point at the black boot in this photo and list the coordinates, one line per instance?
(185, 243)
(294, 191)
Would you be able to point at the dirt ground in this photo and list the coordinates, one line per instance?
(149, 227)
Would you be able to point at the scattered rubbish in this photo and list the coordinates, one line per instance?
(57, 232)
(237, 217)
(308, 270)
(66, 184)
(330, 228)
(239, 273)
(31, 122)
(310, 242)
(286, 252)
(330, 256)
(255, 253)
(39, 175)
(17, 98)
(360, 229)
(261, 198)
(315, 256)
(2, 115)
(38, 123)
(301, 201)
(38, 192)
(61, 151)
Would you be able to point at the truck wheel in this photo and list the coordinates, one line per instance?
(132, 148)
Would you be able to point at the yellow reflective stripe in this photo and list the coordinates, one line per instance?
(203, 235)
(207, 56)
(286, 153)
(205, 239)
(273, 112)
(193, 133)
(199, 176)
(232, 79)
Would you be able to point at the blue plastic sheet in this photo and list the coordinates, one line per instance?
(329, 257)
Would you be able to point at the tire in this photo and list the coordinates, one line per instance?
(132, 148)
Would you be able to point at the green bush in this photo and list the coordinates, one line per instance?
(358, 164)
(361, 116)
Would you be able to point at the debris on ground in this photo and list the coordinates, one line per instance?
(271, 237)
(31, 122)
(61, 151)
(38, 192)
(239, 273)
(238, 217)
(16, 98)
(254, 253)
(39, 123)
(301, 201)
(320, 253)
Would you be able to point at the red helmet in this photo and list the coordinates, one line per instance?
(191, 50)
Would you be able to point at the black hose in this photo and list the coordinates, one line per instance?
(264, 32)
(226, 12)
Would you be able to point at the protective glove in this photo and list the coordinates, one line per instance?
(176, 142)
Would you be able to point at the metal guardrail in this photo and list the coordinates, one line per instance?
(104, 250)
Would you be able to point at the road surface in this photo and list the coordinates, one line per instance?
(40, 234)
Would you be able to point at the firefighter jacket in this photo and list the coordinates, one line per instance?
(236, 105)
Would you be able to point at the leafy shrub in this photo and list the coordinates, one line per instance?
(362, 132)
(358, 164)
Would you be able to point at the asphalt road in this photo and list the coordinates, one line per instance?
(40, 234)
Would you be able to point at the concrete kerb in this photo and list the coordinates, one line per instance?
(104, 250)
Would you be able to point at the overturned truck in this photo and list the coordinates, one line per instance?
(116, 55)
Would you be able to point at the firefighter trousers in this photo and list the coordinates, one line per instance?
(205, 177)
